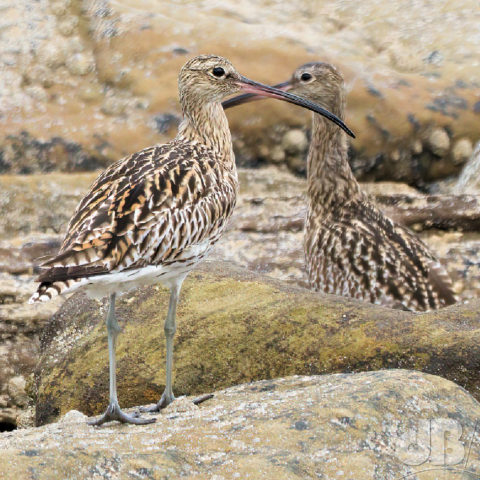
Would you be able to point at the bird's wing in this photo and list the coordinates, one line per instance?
(159, 188)
(407, 257)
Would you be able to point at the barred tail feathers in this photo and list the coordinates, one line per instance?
(48, 290)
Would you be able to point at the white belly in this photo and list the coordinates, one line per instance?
(168, 275)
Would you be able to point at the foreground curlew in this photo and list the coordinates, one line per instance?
(152, 216)
(351, 248)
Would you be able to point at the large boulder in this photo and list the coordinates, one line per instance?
(236, 326)
(390, 424)
(88, 82)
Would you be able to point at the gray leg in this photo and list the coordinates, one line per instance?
(113, 411)
(170, 328)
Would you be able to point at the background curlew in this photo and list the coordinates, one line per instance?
(351, 247)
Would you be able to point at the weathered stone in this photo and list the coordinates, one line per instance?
(438, 141)
(236, 326)
(469, 179)
(25, 154)
(277, 154)
(64, 62)
(39, 203)
(80, 64)
(462, 150)
(265, 235)
(351, 426)
(295, 141)
(16, 391)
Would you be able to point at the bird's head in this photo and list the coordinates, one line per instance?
(318, 82)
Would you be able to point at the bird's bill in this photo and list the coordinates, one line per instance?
(253, 97)
(257, 91)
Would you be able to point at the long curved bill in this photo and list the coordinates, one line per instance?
(258, 91)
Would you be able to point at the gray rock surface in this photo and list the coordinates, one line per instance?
(383, 425)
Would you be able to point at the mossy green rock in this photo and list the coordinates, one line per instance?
(383, 425)
(235, 326)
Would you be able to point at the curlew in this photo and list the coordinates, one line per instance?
(152, 216)
(351, 248)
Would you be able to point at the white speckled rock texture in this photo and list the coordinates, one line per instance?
(383, 425)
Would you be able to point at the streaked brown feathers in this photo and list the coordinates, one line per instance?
(143, 209)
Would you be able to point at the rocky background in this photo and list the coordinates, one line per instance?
(85, 82)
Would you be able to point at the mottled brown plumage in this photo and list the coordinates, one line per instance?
(351, 247)
(164, 206)
(152, 216)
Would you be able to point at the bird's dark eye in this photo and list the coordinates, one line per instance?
(218, 72)
(305, 77)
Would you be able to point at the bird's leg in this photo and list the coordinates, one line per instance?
(113, 411)
(169, 328)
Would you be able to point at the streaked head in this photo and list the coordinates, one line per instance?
(319, 82)
(210, 78)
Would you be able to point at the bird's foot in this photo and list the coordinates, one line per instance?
(165, 400)
(114, 412)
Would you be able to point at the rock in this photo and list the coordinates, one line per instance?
(16, 391)
(12, 261)
(73, 416)
(24, 154)
(51, 54)
(277, 154)
(113, 106)
(295, 141)
(26, 418)
(462, 150)
(104, 61)
(265, 235)
(438, 141)
(39, 203)
(417, 147)
(297, 163)
(469, 179)
(80, 64)
(236, 326)
(20, 326)
(385, 424)
(68, 26)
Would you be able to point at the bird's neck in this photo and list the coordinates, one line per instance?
(207, 124)
(330, 180)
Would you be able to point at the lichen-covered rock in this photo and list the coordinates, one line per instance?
(235, 326)
(382, 425)
(87, 80)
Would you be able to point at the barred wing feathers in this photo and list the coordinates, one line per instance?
(359, 252)
(145, 210)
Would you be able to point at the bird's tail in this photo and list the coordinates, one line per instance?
(48, 290)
